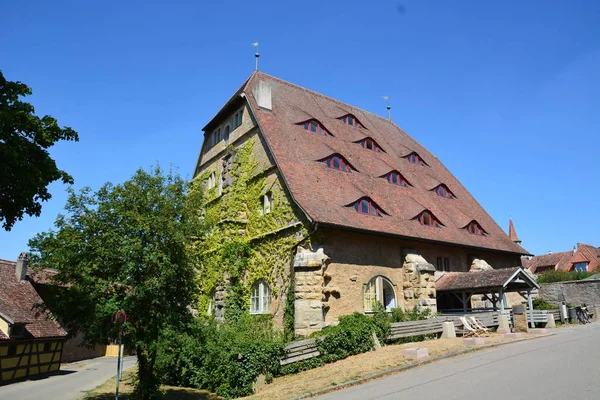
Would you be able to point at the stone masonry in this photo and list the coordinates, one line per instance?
(310, 290)
(418, 284)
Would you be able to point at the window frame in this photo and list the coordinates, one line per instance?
(578, 264)
(263, 297)
(375, 290)
(319, 128)
(475, 228)
(443, 264)
(364, 143)
(267, 203)
(401, 180)
(344, 165)
(425, 216)
(443, 191)
(346, 119)
(372, 208)
(415, 158)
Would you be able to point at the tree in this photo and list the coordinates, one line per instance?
(124, 247)
(27, 168)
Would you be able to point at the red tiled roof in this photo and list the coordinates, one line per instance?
(18, 300)
(549, 260)
(478, 280)
(323, 193)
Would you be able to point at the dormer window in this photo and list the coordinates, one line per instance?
(443, 191)
(428, 219)
(351, 120)
(336, 161)
(367, 206)
(370, 144)
(396, 178)
(474, 228)
(315, 126)
(415, 158)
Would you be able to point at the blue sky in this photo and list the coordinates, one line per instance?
(505, 94)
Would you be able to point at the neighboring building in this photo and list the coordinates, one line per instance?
(583, 257)
(31, 341)
(339, 201)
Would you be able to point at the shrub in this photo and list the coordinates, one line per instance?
(225, 359)
(353, 335)
(541, 304)
(552, 276)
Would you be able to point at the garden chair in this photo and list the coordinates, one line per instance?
(468, 330)
(479, 325)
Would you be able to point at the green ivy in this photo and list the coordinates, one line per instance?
(241, 245)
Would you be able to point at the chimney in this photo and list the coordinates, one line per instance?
(262, 94)
(21, 268)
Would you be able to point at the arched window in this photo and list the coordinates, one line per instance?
(415, 159)
(379, 289)
(315, 126)
(474, 228)
(428, 219)
(336, 161)
(443, 191)
(365, 205)
(351, 120)
(370, 144)
(260, 299)
(396, 178)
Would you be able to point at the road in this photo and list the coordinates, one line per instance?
(559, 367)
(71, 384)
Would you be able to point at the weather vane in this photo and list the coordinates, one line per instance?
(256, 55)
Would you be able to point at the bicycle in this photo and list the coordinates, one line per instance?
(582, 314)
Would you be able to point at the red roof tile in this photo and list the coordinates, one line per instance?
(18, 300)
(451, 281)
(323, 193)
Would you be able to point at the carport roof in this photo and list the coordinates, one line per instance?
(508, 279)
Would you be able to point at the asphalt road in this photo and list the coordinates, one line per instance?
(70, 384)
(565, 366)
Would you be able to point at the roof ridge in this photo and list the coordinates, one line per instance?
(310, 91)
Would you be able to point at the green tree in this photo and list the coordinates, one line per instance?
(27, 168)
(124, 247)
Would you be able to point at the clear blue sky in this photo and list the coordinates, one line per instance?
(505, 93)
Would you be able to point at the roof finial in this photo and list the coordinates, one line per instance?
(256, 55)
(386, 98)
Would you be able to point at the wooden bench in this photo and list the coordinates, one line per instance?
(416, 328)
(300, 350)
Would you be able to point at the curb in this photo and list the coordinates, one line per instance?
(411, 366)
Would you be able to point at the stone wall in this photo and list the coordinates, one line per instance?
(310, 299)
(419, 284)
(574, 292)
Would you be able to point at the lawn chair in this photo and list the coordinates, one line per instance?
(479, 325)
(468, 330)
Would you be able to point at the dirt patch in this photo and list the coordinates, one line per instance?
(106, 391)
(359, 366)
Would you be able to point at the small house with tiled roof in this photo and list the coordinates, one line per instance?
(583, 257)
(31, 341)
(370, 214)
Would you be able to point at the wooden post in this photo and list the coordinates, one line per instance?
(530, 305)
(464, 301)
(501, 299)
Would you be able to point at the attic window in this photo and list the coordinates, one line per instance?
(443, 191)
(427, 218)
(351, 120)
(370, 144)
(415, 158)
(395, 178)
(315, 126)
(474, 228)
(336, 161)
(367, 206)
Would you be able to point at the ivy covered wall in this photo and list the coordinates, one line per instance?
(244, 244)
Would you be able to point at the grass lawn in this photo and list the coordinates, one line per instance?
(106, 391)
